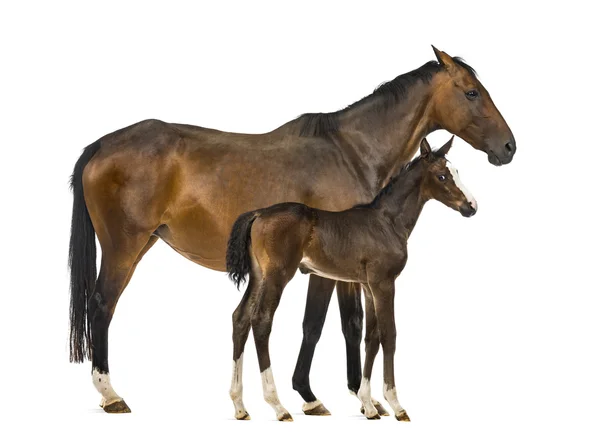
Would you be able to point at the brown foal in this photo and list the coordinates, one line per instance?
(186, 185)
(365, 244)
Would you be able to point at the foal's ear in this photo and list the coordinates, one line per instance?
(425, 147)
(445, 60)
(443, 151)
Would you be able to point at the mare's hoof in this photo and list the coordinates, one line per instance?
(402, 416)
(118, 407)
(285, 417)
(380, 409)
(242, 416)
(374, 417)
(315, 408)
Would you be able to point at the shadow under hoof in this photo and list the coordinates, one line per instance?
(403, 416)
(243, 416)
(285, 417)
(380, 409)
(119, 407)
(319, 410)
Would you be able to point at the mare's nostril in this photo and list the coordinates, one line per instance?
(509, 147)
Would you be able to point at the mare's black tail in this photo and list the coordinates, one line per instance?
(82, 261)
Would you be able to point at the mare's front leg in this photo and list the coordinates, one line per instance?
(269, 296)
(351, 314)
(317, 302)
(383, 299)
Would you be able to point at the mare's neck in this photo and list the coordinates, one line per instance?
(384, 138)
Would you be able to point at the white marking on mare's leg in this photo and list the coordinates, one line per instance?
(364, 395)
(391, 396)
(460, 185)
(236, 390)
(271, 397)
(102, 383)
(309, 406)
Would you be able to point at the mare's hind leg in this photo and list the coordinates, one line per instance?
(351, 314)
(242, 319)
(270, 292)
(118, 263)
(317, 301)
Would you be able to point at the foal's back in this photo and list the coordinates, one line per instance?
(336, 245)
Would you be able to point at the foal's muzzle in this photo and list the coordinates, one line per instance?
(467, 209)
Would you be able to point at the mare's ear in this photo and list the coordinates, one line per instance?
(425, 148)
(443, 151)
(445, 60)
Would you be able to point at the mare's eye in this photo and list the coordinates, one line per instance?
(442, 177)
(472, 94)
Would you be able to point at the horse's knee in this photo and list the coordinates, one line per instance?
(311, 331)
(352, 328)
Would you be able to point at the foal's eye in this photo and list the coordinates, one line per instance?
(442, 177)
(472, 94)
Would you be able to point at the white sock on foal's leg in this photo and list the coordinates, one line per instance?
(236, 390)
(364, 395)
(270, 394)
(390, 394)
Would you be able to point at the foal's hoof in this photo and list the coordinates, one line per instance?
(242, 416)
(285, 417)
(118, 407)
(403, 416)
(380, 409)
(374, 417)
(315, 408)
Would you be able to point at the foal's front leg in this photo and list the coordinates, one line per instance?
(262, 321)
(371, 348)
(383, 299)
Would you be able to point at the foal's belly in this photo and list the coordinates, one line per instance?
(325, 270)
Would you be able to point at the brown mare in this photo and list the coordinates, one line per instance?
(187, 185)
(366, 244)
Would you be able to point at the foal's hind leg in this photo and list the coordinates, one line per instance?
(242, 319)
(262, 321)
(118, 263)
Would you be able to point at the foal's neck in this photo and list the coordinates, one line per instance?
(405, 200)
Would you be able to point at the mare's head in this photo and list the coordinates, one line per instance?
(462, 106)
(441, 181)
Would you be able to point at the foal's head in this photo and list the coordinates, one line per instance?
(462, 105)
(441, 181)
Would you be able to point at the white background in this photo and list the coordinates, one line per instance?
(497, 315)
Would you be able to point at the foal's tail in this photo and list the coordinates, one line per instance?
(82, 261)
(238, 248)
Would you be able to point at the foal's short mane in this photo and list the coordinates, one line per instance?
(392, 92)
(390, 185)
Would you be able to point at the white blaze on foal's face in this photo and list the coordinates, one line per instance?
(470, 199)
